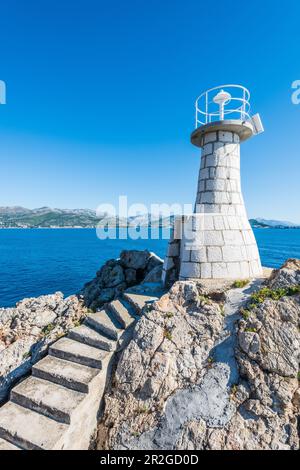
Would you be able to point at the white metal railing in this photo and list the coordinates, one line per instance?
(236, 107)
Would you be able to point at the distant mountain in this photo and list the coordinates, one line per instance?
(46, 217)
(265, 223)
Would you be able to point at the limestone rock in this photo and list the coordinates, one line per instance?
(197, 375)
(287, 275)
(275, 344)
(119, 274)
(27, 330)
(154, 275)
(134, 259)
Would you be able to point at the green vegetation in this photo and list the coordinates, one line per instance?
(27, 355)
(90, 310)
(250, 330)
(204, 300)
(245, 313)
(47, 329)
(60, 335)
(169, 315)
(167, 334)
(274, 294)
(240, 283)
(210, 361)
(142, 409)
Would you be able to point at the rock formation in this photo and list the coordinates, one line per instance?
(211, 368)
(133, 267)
(27, 330)
(207, 366)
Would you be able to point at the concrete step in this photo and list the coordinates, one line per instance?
(5, 445)
(138, 301)
(122, 311)
(47, 398)
(70, 350)
(68, 374)
(103, 323)
(87, 335)
(28, 429)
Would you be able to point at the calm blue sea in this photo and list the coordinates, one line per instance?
(35, 262)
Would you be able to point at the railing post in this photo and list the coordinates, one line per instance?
(244, 104)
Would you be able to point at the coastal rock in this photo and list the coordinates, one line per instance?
(273, 342)
(134, 259)
(117, 275)
(153, 262)
(287, 275)
(130, 276)
(154, 275)
(27, 330)
(112, 275)
(199, 373)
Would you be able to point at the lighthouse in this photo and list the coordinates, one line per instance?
(217, 241)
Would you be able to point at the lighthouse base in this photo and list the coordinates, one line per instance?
(212, 246)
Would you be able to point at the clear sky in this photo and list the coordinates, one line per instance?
(100, 98)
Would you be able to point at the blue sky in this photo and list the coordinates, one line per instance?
(100, 99)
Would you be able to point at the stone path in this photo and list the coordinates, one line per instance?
(57, 406)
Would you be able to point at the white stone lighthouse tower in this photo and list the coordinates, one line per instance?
(217, 241)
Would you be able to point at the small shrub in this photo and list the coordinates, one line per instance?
(293, 290)
(222, 310)
(240, 283)
(251, 306)
(47, 329)
(142, 409)
(204, 300)
(169, 315)
(233, 389)
(90, 310)
(298, 376)
(27, 355)
(60, 335)
(210, 361)
(274, 294)
(245, 313)
(250, 330)
(168, 334)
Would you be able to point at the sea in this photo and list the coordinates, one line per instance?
(34, 262)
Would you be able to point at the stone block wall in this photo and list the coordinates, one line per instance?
(171, 265)
(218, 241)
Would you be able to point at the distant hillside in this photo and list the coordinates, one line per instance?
(265, 223)
(45, 217)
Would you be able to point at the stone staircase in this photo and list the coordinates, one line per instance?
(57, 406)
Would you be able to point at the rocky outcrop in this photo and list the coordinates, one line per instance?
(132, 268)
(27, 330)
(210, 370)
(287, 275)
